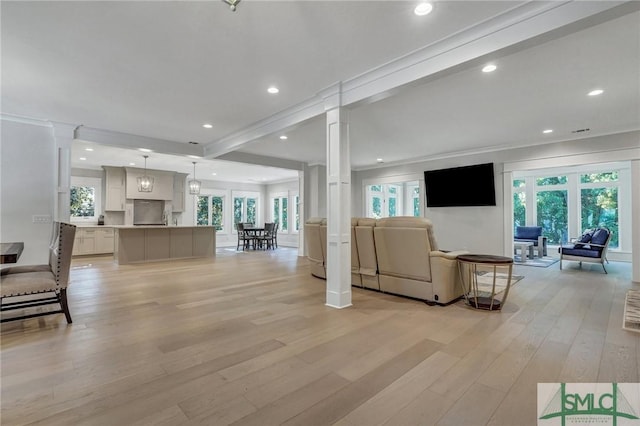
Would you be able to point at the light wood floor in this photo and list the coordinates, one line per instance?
(245, 339)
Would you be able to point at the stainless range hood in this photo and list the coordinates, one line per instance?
(148, 212)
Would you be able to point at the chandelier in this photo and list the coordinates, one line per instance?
(145, 182)
(232, 4)
(194, 185)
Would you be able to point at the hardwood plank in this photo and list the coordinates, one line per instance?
(246, 338)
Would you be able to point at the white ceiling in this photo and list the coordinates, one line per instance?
(162, 69)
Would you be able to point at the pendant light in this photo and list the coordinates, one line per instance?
(194, 185)
(145, 182)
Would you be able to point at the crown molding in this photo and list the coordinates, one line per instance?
(26, 120)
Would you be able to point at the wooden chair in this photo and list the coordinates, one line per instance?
(244, 238)
(40, 285)
(266, 240)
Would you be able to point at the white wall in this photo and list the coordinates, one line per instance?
(27, 183)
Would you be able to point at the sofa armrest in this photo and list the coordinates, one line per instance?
(447, 254)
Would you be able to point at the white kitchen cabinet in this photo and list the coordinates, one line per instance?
(93, 240)
(179, 184)
(116, 188)
(103, 241)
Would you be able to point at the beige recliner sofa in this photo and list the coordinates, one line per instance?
(397, 255)
(410, 264)
(315, 237)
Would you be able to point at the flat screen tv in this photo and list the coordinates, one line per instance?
(461, 186)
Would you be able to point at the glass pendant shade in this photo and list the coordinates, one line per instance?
(145, 182)
(194, 185)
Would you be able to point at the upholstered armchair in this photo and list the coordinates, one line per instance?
(30, 286)
(532, 234)
(590, 247)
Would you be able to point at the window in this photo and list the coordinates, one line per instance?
(280, 211)
(209, 210)
(519, 203)
(84, 199)
(245, 207)
(388, 200)
(599, 203)
(552, 215)
(567, 203)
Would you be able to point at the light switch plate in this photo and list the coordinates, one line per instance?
(41, 218)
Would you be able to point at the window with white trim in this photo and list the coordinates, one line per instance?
(568, 201)
(393, 199)
(210, 209)
(85, 198)
(246, 207)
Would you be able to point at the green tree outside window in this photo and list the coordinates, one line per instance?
(552, 180)
(285, 214)
(599, 177)
(238, 207)
(82, 201)
(202, 214)
(377, 207)
(216, 212)
(519, 209)
(552, 215)
(276, 210)
(599, 207)
(392, 206)
(251, 210)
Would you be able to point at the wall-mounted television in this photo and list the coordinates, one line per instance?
(461, 186)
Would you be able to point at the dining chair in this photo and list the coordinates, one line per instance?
(243, 237)
(40, 285)
(266, 238)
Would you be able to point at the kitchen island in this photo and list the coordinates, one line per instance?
(152, 243)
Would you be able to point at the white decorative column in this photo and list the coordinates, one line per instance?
(63, 135)
(300, 209)
(338, 201)
(507, 204)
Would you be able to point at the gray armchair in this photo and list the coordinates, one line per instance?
(39, 285)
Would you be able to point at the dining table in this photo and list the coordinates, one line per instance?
(10, 252)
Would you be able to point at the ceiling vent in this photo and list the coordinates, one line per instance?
(580, 130)
(193, 143)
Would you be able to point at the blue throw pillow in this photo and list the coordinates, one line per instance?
(585, 238)
(600, 236)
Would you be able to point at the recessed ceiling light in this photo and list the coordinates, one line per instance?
(596, 92)
(88, 149)
(489, 68)
(379, 160)
(144, 150)
(132, 164)
(284, 137)
(273, 90)
(83, 158)
(423, 9)
(207, 126)
(547, 131)
(214, 174)
(193, 156)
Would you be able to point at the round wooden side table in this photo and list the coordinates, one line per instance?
(482, 290)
